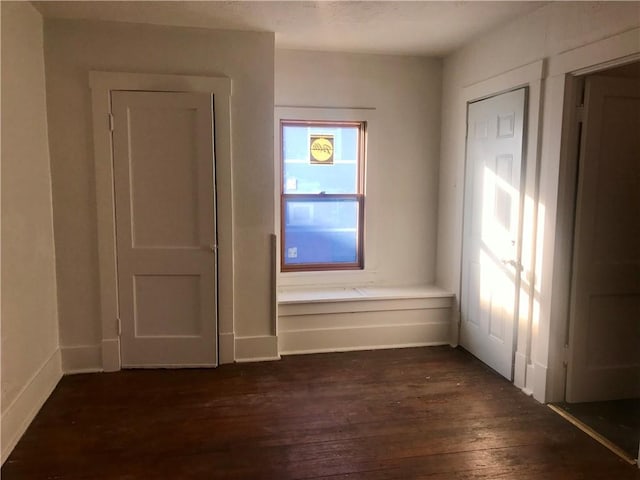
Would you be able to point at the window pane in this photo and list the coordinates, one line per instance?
(340, 172)
(320, 231)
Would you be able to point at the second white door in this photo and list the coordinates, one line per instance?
(490, 259)
(604, 361)
(165, 228)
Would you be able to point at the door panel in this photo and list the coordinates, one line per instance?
(165, 223)
(159, 299)
(490, 263)
(164, 203)
(604, 335)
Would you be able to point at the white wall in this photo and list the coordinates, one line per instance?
(72, 49)
(402, 163)
(30, 355)
(558, 34)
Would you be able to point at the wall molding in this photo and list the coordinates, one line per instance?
(101, 85)
(520, 370)
(81, 359)
(609, 52)
(531, 76)
(22, 410)
(539, 384)
(256, 349)
(111, 354)
(226, 348)
(372, 337)
(556, 192)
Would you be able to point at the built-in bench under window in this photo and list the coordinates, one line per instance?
(359, 318)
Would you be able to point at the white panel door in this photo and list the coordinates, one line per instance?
(604, 335)
(165, 228)
(490, 258)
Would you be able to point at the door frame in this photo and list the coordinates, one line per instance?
(528, 76)
(568, 185)
(102, 84)
(564, 77)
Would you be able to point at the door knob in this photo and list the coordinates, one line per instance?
(513, 263)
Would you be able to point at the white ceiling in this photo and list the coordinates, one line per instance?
(392, 27)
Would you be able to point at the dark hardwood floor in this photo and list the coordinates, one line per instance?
(421, 413)
(616, 420)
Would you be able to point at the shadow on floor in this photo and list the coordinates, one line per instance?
(616, 420)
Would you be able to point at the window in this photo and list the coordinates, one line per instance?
(322, 195)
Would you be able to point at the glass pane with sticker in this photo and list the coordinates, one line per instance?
(320, 158)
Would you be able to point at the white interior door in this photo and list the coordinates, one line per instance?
(165, 228)
(604, 335)
(490, 258)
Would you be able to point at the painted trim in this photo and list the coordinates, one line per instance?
(364, 348)
(22, 410)
(290, 296)
(455, 323)
(528, 388)
(159, 82)
(111, 355)
(372, 251)
(256, 349)
(167, 366)
(530, 76)
(371, 337)
(102, 83)
(226, 347)
(336, 320)
(599, 55)
(539, 384)
(81, 359)
(363, 305)
(555, 193)
(509, 80)
(520, 370)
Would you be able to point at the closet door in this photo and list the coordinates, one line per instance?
(165, 222)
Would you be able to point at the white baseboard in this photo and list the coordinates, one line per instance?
(20, 413)
(539, 384)
(528, 383)
(455, 326)
(81, 359)
(363, 338)
(365, 347)
(337, 327)
(520, 371)
(111, 355)
(256, 349)
(226, 345)
(106, 357)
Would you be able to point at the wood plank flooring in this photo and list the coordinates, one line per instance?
(616, 420)
(422, 413)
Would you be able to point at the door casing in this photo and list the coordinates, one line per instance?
(529, 76)
(570, 70)
(575, 91)
(102, 84)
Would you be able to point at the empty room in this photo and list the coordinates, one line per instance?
(320, 240)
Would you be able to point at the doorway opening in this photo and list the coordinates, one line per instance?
(602, 386)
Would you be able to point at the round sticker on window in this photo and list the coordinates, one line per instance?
(321, 148)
